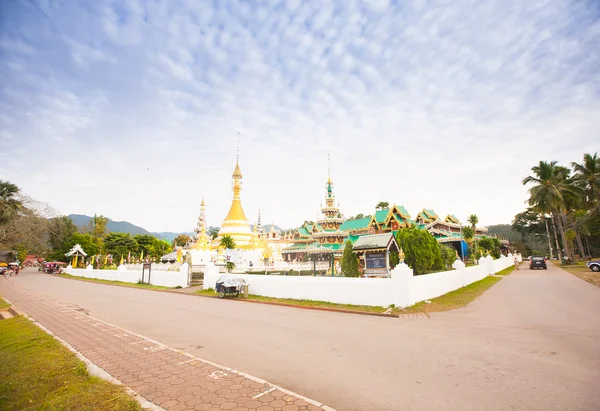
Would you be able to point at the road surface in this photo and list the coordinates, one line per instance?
(532, 342)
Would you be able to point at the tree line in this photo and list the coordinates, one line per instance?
(564, 202)
(28, 227)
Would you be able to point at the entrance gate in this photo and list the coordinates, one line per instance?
(196, 276)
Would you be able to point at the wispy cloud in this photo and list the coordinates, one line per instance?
(424, 103)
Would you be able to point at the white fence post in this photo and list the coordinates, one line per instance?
(459, 266)
(401, 282)
(211, 274)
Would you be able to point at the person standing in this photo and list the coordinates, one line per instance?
(516, 263)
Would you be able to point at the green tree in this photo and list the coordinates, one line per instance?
(162, 247)
(228, 242)
(181, 240)
(349, 261)
(213, 232)
(382, 205)
(86, 242)
(468, 235)
(10, 204)
(551, 186)
(421, 250)
(486, 244)
(60, 230)
(359, 216)
(473, 220)
(97, 230)
(146, 243)
(120, 244)
(587, 174)
(448, 255)
(230, 266)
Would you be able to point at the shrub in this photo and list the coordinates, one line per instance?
(349, 261)
(448, 255)
(421, 250)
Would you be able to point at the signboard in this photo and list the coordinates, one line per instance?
(234, 256)
(376, 260)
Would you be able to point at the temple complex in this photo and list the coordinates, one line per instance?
(321, 241)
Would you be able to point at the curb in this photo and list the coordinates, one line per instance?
(304, 307)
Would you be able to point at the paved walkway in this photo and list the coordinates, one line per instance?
(167, 377)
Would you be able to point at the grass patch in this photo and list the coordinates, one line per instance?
(580, 270)
(455, 299)
(38, 373)
(508, 270)
(450, 301)
(309, 303)
(3, 304)
(121, 283)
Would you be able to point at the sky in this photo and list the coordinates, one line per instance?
(134, 109)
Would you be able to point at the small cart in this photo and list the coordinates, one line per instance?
(228, 285)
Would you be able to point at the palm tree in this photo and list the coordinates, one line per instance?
(227, 242)
(382, 205)
(551, 188)
(468, 233)
(9, 204)
(587, 174)
(473, 220)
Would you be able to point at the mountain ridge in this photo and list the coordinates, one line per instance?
(82, 220)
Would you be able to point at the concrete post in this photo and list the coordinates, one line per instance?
(459, 266)
(401, 281)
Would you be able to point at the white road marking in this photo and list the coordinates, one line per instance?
(264, 392)
(217, 375)
(137, 342)
(185, 362)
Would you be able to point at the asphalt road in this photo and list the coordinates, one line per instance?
(532, 342)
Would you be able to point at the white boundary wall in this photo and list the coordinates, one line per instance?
(402, 288)
(158, 277)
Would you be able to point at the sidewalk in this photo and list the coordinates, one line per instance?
(164, 376)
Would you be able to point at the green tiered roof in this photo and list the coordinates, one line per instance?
(431, 214)
(358, 224)
(381, 215)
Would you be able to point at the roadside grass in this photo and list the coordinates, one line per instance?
(121, 283)
(450, 301)
(454, 299)
(3, 304)
(38, 373)
(580, 270)
(310, 303)
(508, 270)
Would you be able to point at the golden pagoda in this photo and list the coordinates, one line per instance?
(236, 224)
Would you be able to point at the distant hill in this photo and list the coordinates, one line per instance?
(82, 221)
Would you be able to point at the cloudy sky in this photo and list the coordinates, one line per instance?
(133, 109)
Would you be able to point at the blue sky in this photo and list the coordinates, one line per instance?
(133, 109)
